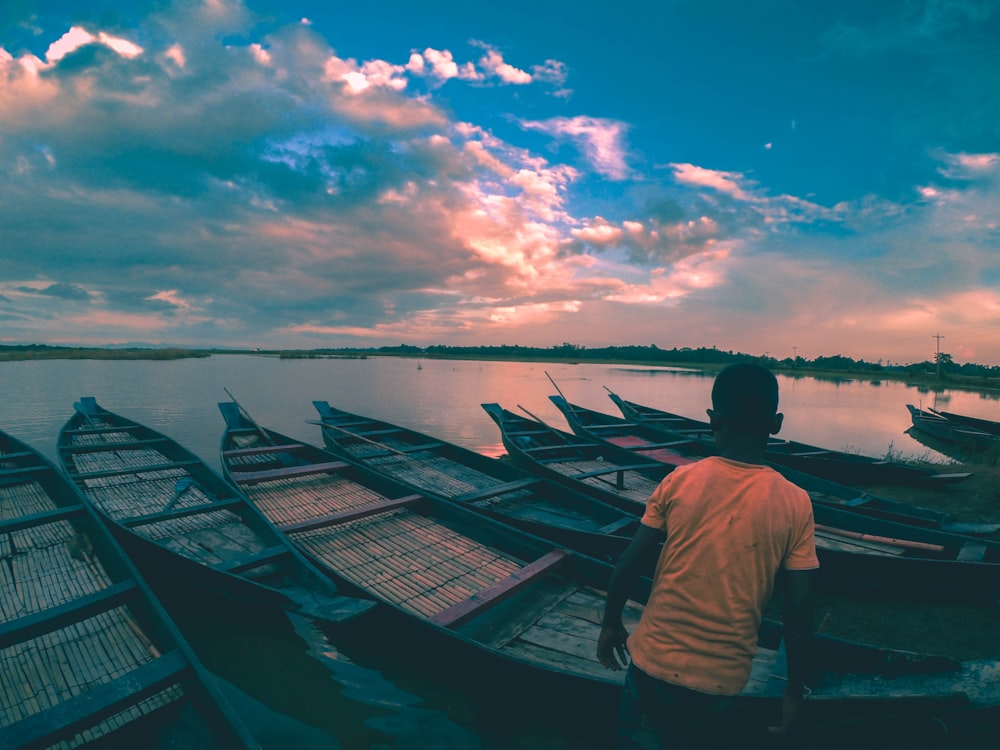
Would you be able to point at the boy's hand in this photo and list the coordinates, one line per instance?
(612, 651)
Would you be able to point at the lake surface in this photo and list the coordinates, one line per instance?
(306, 688)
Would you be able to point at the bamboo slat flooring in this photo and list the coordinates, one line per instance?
(210, 537)
(408, 559)
(45, 566)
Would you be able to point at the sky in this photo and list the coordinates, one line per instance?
(772, 177)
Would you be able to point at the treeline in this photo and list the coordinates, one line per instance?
(653, 354)
(43, 351)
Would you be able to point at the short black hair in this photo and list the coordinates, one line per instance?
(745, 396)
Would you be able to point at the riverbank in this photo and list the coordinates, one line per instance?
(924, 380)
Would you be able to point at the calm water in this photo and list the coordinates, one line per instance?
(305, 688)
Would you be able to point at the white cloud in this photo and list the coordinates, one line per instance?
(78, 37)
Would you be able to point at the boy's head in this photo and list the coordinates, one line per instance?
(745, 399)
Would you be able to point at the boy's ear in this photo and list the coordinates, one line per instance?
(776, 426)
(714, 421)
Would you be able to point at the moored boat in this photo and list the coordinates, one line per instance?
(638, 433)
(968, 436)
(837, 466)
(487, 485)
(183, 524)
(493, 590)
(986, 425)
(857, 550)
(87, 653)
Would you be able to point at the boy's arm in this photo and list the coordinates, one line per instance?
(611, 648)
(798, 630)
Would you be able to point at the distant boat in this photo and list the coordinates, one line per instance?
(916, 559)
(184, 525)
(86, 651)
(837, 466)
(942, 427)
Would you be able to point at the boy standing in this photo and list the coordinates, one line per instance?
(732, 524)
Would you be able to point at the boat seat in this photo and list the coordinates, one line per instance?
(615, 426)
(181, 512)
(99, 447)
(134, 469)
(353, 514)
(499, 489)
(20, 471)
(54, 618)
(83, 711)
(39, 519)
(16, 454)
(263, 450)
(287, 472)
(100, 430)
(462, 611)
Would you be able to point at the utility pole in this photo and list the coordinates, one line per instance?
(937, 356)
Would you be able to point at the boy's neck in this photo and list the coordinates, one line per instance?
(746, 449)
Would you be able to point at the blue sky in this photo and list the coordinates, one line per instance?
(776, 176)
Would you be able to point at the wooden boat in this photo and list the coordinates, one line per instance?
(86, 651)
(986, 425)
(837, 466)
(857, 550)
(970, 438)
(492, 487)
(514, 599)
(823, 491)
(615, 475)
(183, 524)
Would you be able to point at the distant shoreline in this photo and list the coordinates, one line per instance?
(928, 380)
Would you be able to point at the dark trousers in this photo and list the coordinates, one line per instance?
(656, 714)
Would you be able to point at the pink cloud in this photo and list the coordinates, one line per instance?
(600, 139)
(723, 182)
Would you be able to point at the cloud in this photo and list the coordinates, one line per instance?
(601, 140)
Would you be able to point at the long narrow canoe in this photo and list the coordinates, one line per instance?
(514, 597)
(969, 437)
(986, 425)
(486, 586)
(909, 558)
(489, 486)
(183, 524)
(838, 466)
(823, 491)
(86, 651)
(615, 475)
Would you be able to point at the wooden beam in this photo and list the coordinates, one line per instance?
(254, 560)
(54, 618)
(353, 514)
(81, 712)
(618, 525)
(190, 510)
(458, 613)
(286, 472)
(133, 469)
(39, 519)
(262, 449)
(100, 430)
(125, 445)
(22, 471)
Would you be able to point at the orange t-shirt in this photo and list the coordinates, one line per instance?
(730, 526)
